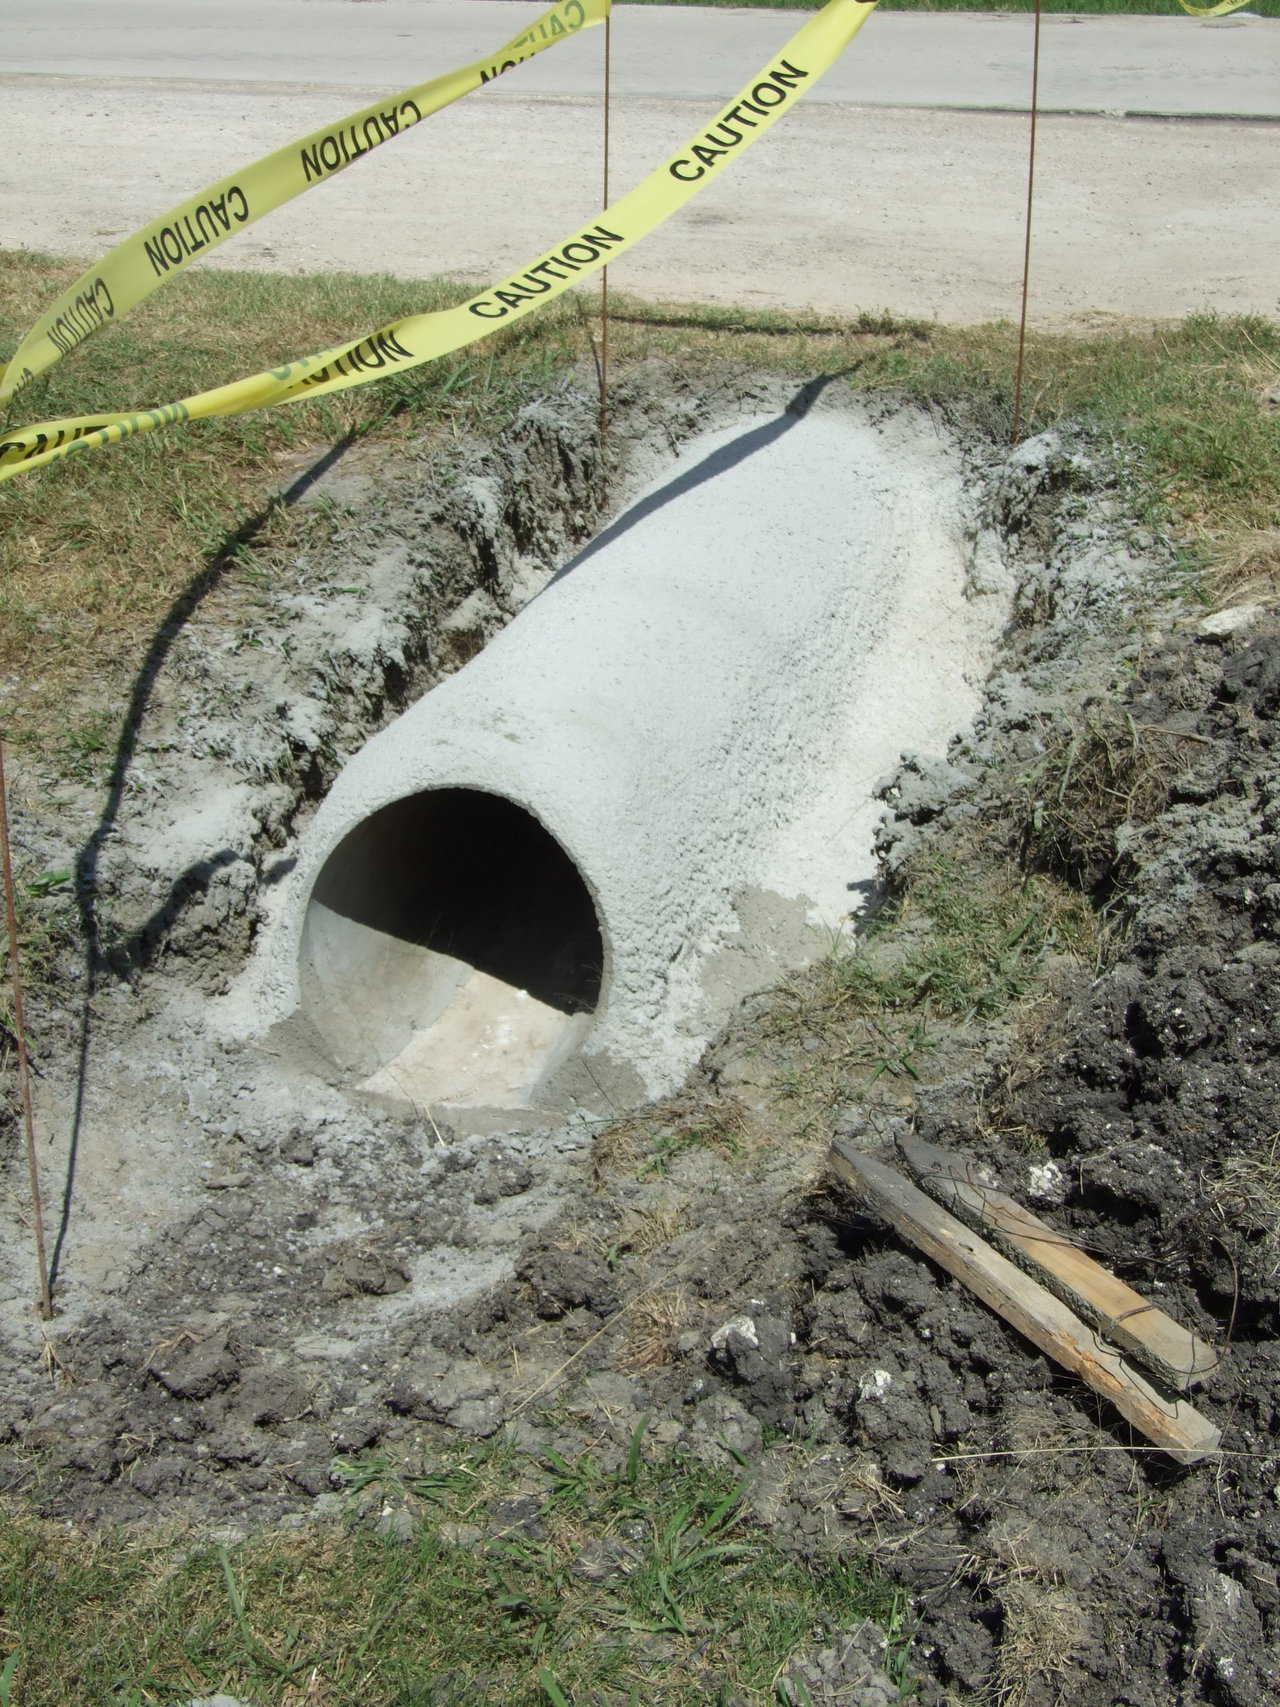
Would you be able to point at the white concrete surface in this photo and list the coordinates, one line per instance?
(489, 1048)
(868, 197)
(697, 710)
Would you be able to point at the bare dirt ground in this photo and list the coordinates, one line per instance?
(313, 1277)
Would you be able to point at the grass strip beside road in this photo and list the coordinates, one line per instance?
(94, 549)
(1110, 8)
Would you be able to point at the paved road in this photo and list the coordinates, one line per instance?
(898, 183)
(1162, 65)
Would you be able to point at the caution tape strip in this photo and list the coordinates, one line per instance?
(1217, 11)
(420, 338)
(161, 250)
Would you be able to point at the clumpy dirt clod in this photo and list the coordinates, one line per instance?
(333, 1279)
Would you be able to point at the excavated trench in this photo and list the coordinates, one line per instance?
(490, 829)
(659, 767)
(550, 880)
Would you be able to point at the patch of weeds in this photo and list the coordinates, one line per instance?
(645, 1580)
(369, 1470)
(643, 1231)
(48, 883)
(1030, 1046)
(1043, 1629)
(1181, 399)
(47, 925)
(1245, 569)
(961, 941)
(1244, 1196)
(654, 1325)
(712, 1134)
(650, 1142)
(87, 744)
(965, 938)
(1094, 779)
(988, 931)
(897, 1665)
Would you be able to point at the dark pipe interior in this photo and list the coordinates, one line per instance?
(469, 874)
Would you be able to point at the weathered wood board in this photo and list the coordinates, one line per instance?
(1137, 1325)
(1032, 1309)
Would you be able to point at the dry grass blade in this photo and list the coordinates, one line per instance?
(655, 1326)
(1247, 571)
(1044, 1626)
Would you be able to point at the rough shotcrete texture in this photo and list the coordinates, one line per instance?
(262, 1274)
(795, 600)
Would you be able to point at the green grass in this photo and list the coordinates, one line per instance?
(700, 1606)
(1106, 773)
(966, 938)
(648, 1143)
(963, 940)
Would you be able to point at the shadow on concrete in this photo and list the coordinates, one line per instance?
(718, 462)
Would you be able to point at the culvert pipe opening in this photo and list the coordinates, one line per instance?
(451, 951)
(694, 714)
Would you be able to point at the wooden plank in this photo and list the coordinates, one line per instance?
(1032, 1309)
(1137, 1325)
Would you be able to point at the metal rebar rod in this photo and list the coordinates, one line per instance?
(1026, 250)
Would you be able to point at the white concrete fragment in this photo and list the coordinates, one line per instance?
(1046, 1182)
(1225, 622)
(742, 1326)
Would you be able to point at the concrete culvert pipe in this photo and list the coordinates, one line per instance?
(550, 880)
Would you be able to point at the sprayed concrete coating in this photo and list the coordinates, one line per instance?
(696, 711)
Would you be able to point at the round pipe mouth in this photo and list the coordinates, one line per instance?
(451, 951)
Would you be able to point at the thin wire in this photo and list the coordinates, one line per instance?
(1064, 1451)
(1026, 252)
(604, 274)
(20, 1034)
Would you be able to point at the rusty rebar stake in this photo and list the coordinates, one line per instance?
(1026, 249)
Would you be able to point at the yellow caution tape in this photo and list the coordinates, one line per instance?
(1213, 11)
(143, 262)
(420, 338)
